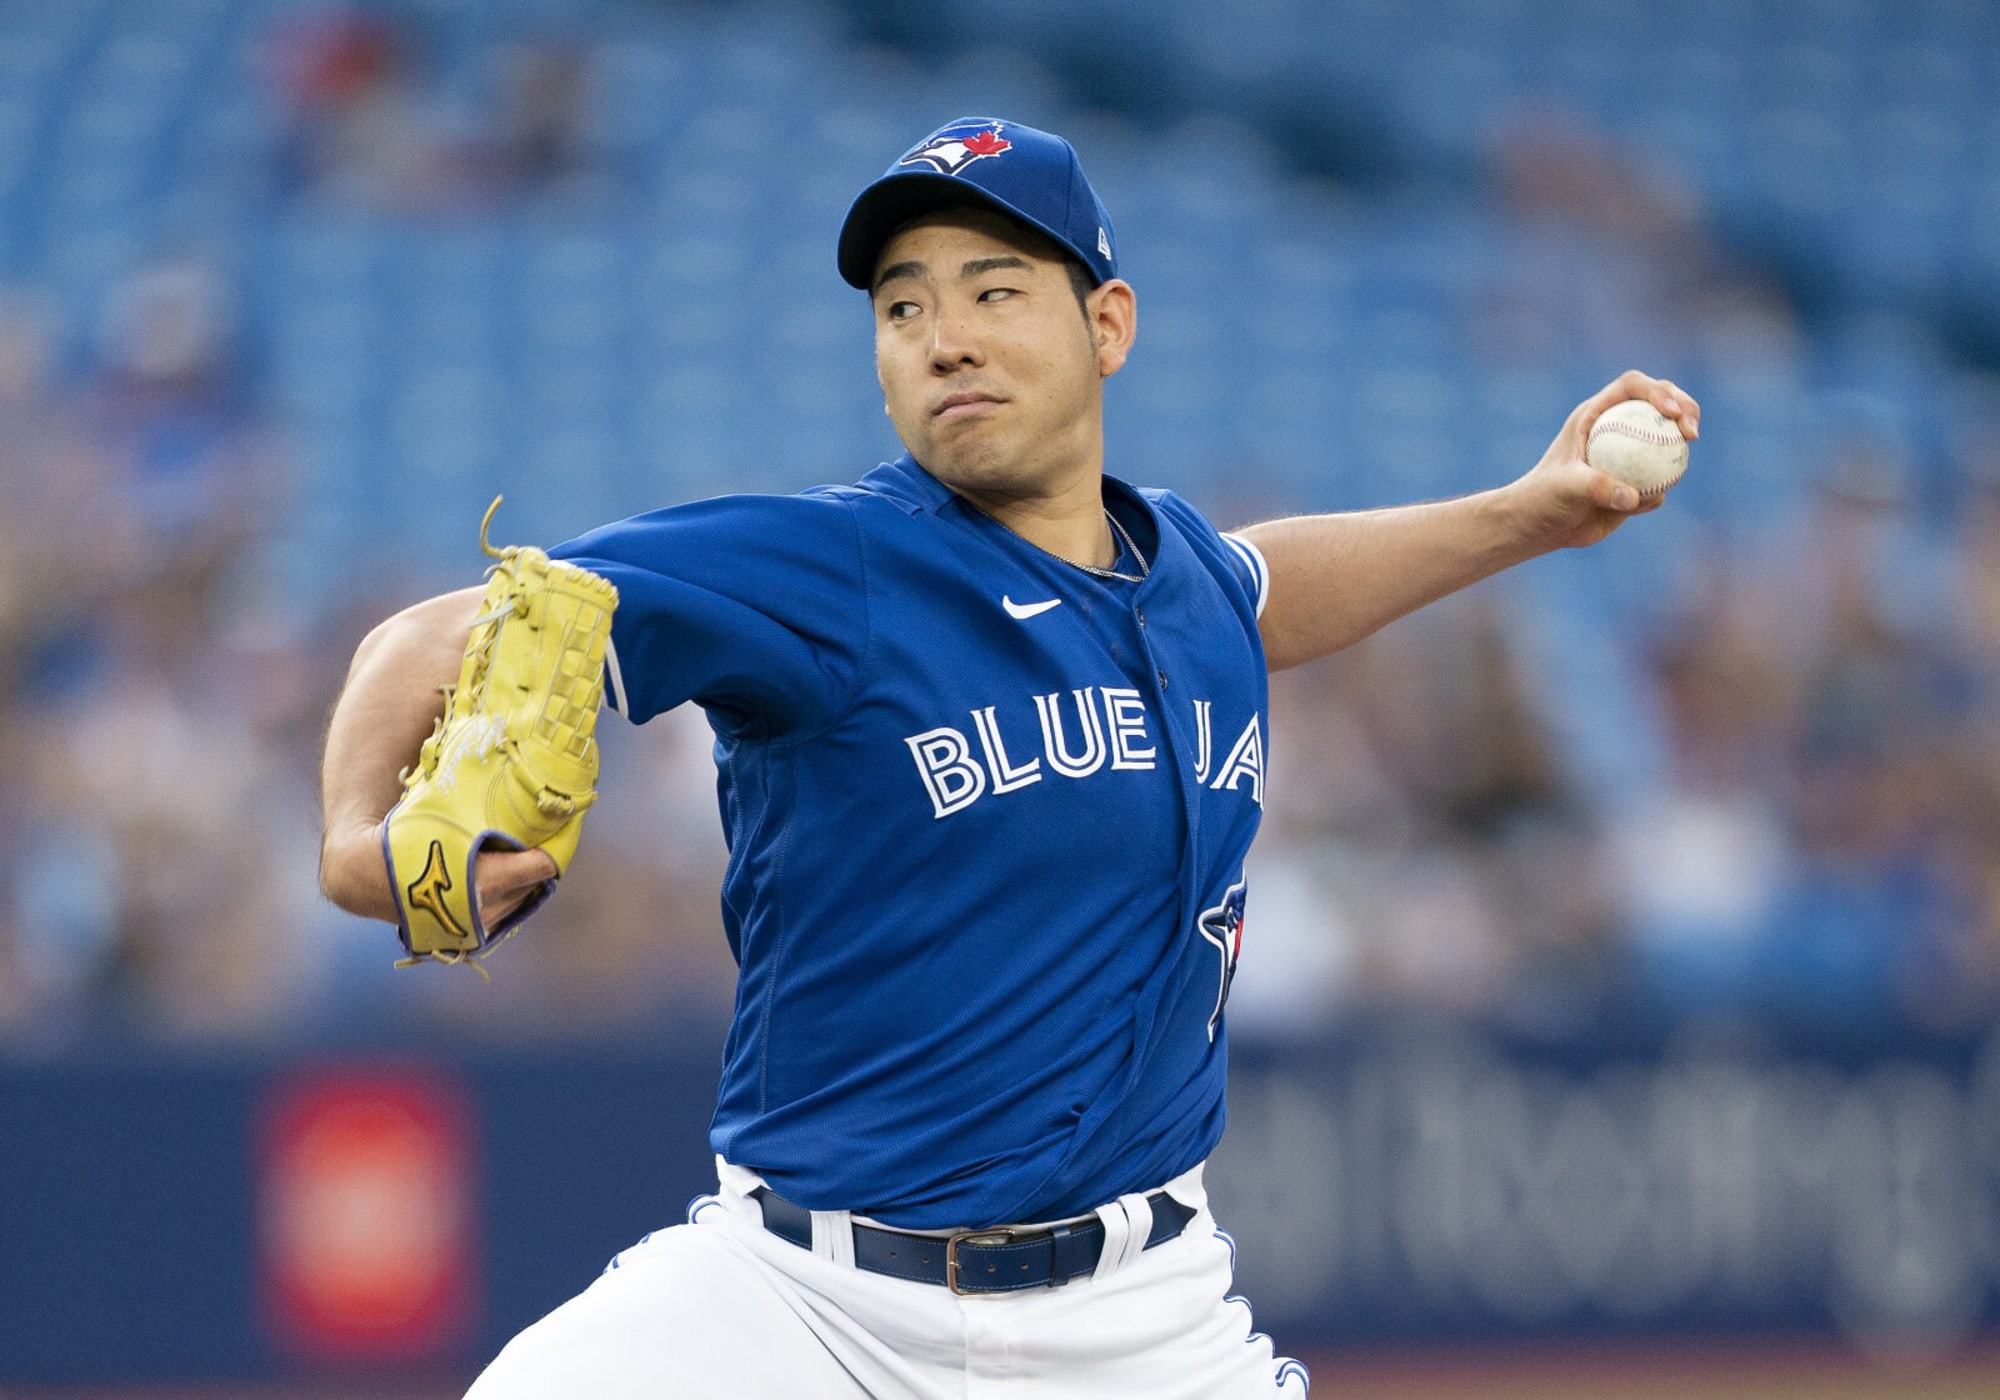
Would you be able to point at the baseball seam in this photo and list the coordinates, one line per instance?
(1654, 437)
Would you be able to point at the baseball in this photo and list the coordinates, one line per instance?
(1639, 445)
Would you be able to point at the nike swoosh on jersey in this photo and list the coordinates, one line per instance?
(1023, 611)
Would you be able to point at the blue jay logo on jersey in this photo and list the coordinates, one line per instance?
(1222, 926)
(956, 147)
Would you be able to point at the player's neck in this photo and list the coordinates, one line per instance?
(1068, 523)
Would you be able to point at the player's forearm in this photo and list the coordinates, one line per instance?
(1337, 578)
(392, 698)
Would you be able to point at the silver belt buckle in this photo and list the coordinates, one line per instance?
(974, 1237)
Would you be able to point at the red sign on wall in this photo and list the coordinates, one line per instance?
(367, 1213)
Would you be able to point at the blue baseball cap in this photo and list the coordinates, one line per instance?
(1027, 174)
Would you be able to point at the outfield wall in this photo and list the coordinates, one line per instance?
(380, 1218)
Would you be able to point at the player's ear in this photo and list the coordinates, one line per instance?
(1113, 312)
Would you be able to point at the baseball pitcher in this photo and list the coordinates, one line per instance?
(991, 739)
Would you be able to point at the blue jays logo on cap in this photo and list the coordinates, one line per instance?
(1030, 175)
(954, 148)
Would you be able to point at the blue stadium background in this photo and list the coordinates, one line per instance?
(1624, 947)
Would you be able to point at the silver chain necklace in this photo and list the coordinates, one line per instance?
(1124, 536)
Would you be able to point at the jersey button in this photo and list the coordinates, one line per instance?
(1141, 614)
(1163, 679)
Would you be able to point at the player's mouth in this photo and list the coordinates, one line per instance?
(965, 404)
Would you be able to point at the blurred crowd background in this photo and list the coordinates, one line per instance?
(289, 290)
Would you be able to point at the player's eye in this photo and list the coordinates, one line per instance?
(901, 310)
(996, 293)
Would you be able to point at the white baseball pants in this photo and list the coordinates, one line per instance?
(722, 1309)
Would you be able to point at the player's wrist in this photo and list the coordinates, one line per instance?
(1519, 521)
(353, 873)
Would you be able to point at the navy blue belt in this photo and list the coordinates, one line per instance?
(1004, 1259)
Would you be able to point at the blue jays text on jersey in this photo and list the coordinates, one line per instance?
(955, 779)
(987, 814)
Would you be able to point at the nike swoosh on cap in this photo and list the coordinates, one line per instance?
(1023, 611)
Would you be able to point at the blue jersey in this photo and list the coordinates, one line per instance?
(987, 814)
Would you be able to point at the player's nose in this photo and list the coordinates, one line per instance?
(953, 343)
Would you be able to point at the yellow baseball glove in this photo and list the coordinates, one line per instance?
(513, 761)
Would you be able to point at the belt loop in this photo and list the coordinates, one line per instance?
(1139, 1218)
(1062, 1255)
(833, 1236)
(1117, 1228)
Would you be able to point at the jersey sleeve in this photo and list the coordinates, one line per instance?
(1255, 573)
(755, 607)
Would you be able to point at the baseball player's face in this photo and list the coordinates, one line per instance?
(992, 376)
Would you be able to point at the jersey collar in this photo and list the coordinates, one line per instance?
(906, 481)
